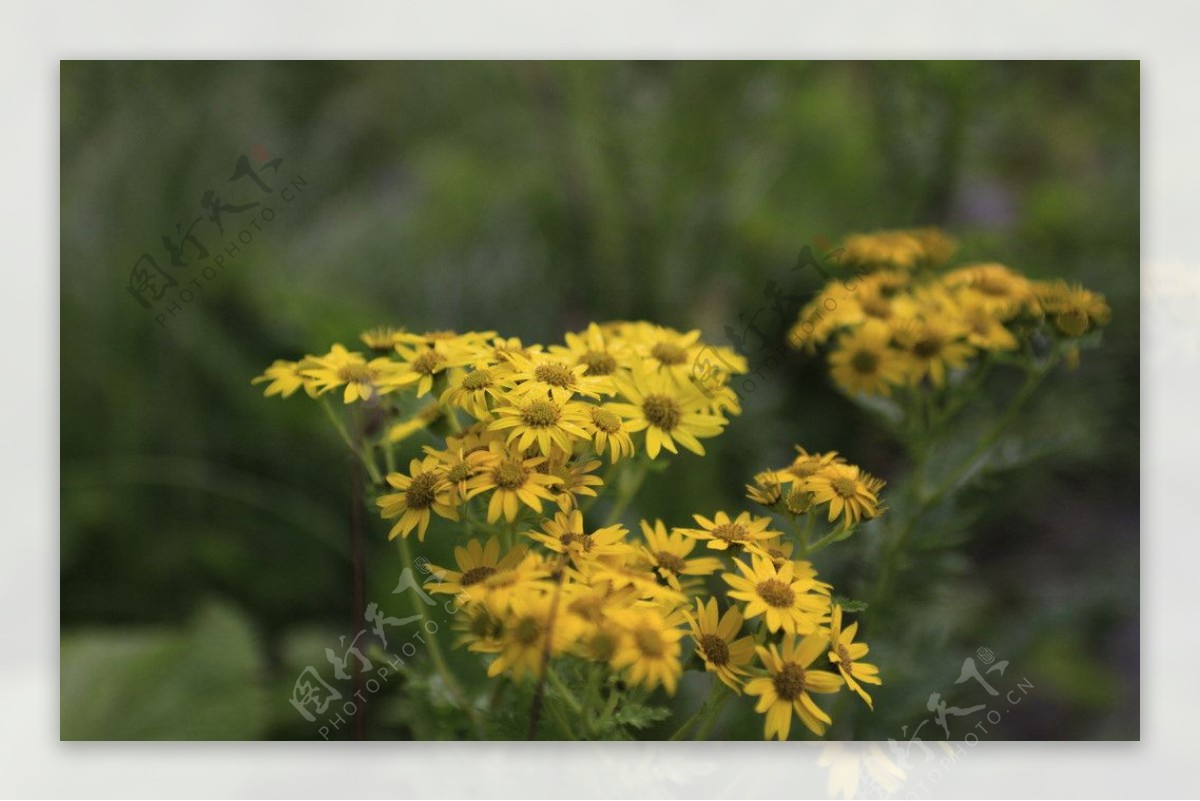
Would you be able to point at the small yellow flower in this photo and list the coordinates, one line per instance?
(425, 363)
(537, 419)
(788, 685)
(933, 346)
(668, 413)
(723, 533)
(650, 650)
(717, 643)
(669, 554)
(474, 391)
(285, 378)
(566, 534)
(543, 376)
(598, 352)
(363, 380)
(847, 490)
(575, 480)
(865, 362)
(382, 339)
(609, 433)
(845, 653)
(476, 563)
(533, 632)
(788, 603)
(423, 491)
(512, 479)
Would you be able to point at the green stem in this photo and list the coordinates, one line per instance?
(563, 690)
(435, 655)
(704, 713)
(368, 463)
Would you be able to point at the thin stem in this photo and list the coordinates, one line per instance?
(368, 463)
(563, 690)
(705, 713)
(435, 655)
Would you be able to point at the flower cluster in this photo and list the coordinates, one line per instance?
(521, 433)
(904, 320)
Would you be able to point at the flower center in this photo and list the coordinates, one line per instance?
(789, 682)
(844, 656)
(355, 373)
(928, 346)
(776, 593)
(804, 468)
(510, 475)
(460, 472)
(845, 487)
(598, 362)
(429, 362)
(421, 491)
(556, 375)
(602, 646)
(669, 354)
(527, 631)
(605, 420)
(476, 575)
(1073, 322)
(540, 414)
(670, 561)
(731, 532)
(662, 411)
(865, 362)
(877, 308)
(480, 379)
(715, 649)
(649, 642)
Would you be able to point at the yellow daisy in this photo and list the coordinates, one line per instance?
(788, 603)
(717, 643)
(847, 491)
(933, 346)
(533, 631)
(512, 479)
(669, 552)
(425, 364)
(865, 362)
(650, 651)
(476, 563)
(608, 432)
(363, 380)
(723, 533)
(788, 685)
(286, 377)
(845, 653)
(474, 391)
(599, 353)
(566, 534)
(667, 412)
(423, 491)
(542, 420)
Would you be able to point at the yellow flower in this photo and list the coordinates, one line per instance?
(476, 563)
(669, 555)
(513, 480)
(985, 327)
(904, 249)
(541, 376)
(845, 653)
(848, 491)
(362, 379)
(382, 339)
(566, 534)
(474, 391)
(865, 362)
(423, 491)
(806, 465)
(527, 578)
(533, 632)
(650, 650)
(722, 533)
(766, 489)
(668, 413)
(542, 420)
(993, 286)
(574, 480)
(598, 352)
(933, 346)
(608, 432)
(717, 644)
(1073, 309)
(285, 378)
(425, 363)
(787, 602)
(788, 685)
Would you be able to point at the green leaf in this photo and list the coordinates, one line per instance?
(849, 604)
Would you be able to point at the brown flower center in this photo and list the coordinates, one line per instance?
(355, 373)
(776, 593)
(429, 362)
(476, 575)
(540, 413)
(670, 561)
(715, 649)
(510, 475)
(662, 411)
(668, 353)
(605, 420)
(789, 682)
(845, 487)
(555, 374)
(527, 631)
(649, 642)
(731, 532)
(598, 362)
(928, 346)
(480, 379)
(421, 491)
(865, 362)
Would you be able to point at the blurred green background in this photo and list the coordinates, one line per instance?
(204, 551)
